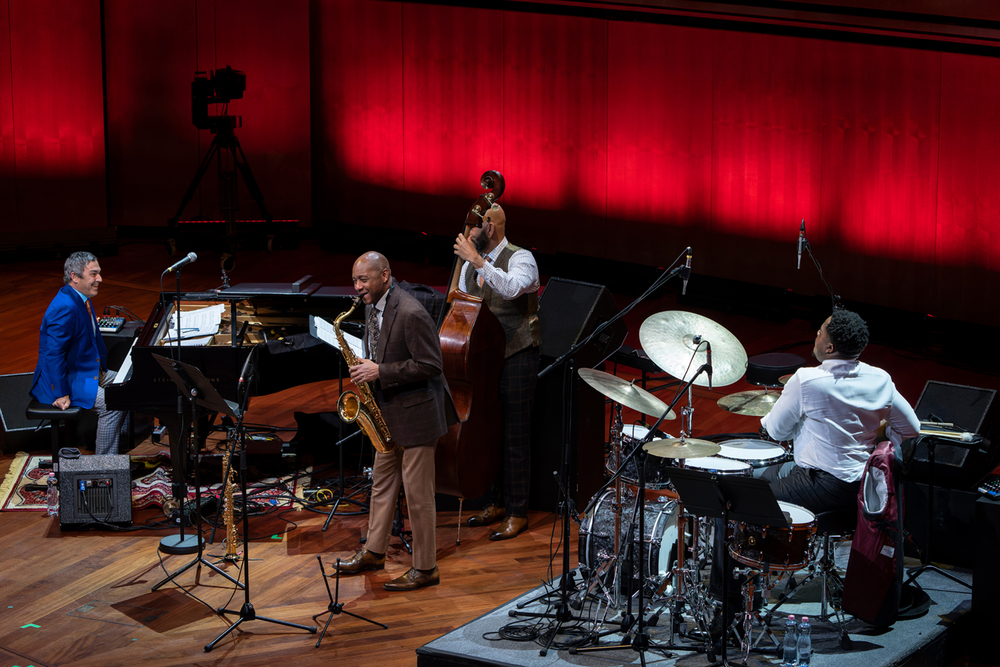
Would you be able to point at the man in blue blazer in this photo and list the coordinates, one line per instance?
(72, 358)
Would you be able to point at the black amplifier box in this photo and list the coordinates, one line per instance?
(95, 490)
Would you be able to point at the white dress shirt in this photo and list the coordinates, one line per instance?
(833, 411)
(520, 277)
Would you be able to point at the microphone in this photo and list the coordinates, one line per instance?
(686, 273)
(191, 257)
(802, 242)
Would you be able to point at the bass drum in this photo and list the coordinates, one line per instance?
(659, 544)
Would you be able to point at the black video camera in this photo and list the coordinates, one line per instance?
(220, 87)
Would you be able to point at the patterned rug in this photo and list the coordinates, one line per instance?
(23, 489)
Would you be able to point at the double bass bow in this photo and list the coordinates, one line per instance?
(468, 457)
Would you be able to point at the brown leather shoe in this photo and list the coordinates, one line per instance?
(414, 579)
(361, 561)
(511, 526)
(488, 515)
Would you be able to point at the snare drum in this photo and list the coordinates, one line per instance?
(758, 453)
(657, 469)
(597, 538)
(775, 549)
(719, 466)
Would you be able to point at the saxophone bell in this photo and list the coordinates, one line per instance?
(348, 407)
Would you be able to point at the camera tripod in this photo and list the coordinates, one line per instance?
(225, 140)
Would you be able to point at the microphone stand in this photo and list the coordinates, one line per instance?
(562, 613)
(247, 611)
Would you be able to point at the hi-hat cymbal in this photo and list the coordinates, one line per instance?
(681, 448)
(756, 403)
(624, 392)
(673, 337)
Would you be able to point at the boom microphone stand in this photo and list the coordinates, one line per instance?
(247, 611)
(562, 613)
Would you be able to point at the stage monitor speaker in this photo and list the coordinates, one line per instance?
(94, 490)
(568, 311)
(17, 432)
(957, 465)
(953, 533)
(969, 408)
(985, 579)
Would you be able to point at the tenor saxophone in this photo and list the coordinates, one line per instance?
(361, 406)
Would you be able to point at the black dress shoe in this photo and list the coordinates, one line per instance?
(486, 516)
(361, 561)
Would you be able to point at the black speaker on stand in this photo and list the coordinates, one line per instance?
(17, 432)
(568, 311)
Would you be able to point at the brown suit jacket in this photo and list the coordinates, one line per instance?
(411, 390)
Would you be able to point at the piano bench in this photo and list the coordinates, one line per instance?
(41, 411)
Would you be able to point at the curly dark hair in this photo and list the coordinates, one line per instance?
(848, 333)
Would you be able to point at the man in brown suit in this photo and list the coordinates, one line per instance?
(404, 370)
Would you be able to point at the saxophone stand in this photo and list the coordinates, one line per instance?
(336, 607)
(200, 393)
(247, 611)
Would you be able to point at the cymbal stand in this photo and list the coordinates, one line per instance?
(640, 641)
(336, 606)
(247, 611)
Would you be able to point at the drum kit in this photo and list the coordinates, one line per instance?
(624, 555)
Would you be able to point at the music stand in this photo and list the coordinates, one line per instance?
(199, 392)
(727, 497)
(336, 606)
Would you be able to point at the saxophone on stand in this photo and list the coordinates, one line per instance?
(231, 540)
(361, 406)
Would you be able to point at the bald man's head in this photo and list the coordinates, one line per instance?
(371, 276)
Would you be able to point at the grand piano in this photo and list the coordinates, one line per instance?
(271, 316)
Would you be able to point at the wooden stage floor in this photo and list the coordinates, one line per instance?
(84, 598)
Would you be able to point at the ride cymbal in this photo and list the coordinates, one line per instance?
(624, 392)
(755, 403)
(681, 448)
(676, 341)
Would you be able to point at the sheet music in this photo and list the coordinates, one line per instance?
(196, 324)
(323, 330)
(126, 368)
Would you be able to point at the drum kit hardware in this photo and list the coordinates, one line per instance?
(753, 403)
(651, 550)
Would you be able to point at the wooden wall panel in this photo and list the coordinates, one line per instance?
(766, 153)
(967, 235)
(153, 148)
(555, 132)
(58, 114)
(879, 189)
(8, 185)
(154, 51)
(357, 64)
(659, 140)
(453, 111)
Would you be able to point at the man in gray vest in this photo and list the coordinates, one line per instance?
(506, 277)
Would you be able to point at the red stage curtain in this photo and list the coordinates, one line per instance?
(8, 186)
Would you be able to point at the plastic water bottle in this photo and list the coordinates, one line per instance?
(805, 642)
(52, 496)
(791, 651)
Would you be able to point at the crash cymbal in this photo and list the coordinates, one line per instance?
(756, 403)
(783, 380)
(670, 339)
(681, 448)
(625, 392)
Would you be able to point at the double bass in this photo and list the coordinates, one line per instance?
(468, 457)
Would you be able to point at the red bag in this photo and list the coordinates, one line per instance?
(875, 569)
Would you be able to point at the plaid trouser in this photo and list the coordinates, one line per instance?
(517, 393)
(109, 422)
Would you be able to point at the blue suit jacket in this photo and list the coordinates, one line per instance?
(71, 353)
